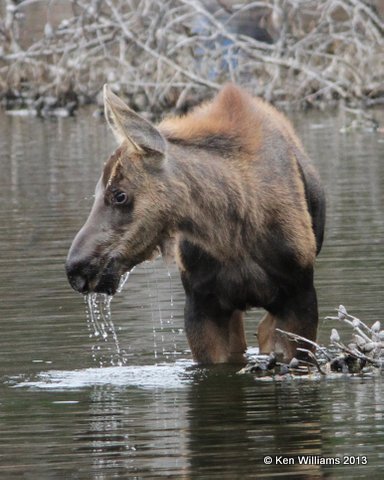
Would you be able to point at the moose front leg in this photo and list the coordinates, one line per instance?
(298, 314)
(214, 335)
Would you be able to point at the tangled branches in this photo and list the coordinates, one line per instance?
(362, 355)
(166, 54)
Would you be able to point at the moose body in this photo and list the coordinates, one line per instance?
(231, 190)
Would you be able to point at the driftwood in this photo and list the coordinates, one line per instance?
(169, 54)
(363, 355)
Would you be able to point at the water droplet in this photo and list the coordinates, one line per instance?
(99, 319)
(123, 281)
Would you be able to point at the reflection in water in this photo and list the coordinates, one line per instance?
(158, 416)
(212, 423)
(239, 423)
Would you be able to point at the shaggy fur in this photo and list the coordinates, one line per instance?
(231, 187)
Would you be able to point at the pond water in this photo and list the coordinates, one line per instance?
(62, 415)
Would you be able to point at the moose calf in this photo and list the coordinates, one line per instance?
(229, 184)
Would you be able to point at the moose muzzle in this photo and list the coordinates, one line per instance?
(88, 267)
(86, 276)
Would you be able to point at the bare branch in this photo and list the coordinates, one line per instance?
(163, 53)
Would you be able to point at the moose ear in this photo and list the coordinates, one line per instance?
(127, 125)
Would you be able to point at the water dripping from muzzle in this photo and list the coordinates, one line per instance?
(123, 280)
(99, 319)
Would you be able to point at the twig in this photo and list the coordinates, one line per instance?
(313, 357)
(155, 48)
(299, 338)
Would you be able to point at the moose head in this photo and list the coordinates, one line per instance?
(129, 216)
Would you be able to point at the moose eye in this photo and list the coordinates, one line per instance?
(120, 198)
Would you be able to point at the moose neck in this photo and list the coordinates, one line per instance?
(206, 200)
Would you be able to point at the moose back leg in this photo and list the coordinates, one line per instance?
(214, 335)
(266, 333)
(298, 314)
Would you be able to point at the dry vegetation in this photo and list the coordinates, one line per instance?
(167, 54)
(362, 354)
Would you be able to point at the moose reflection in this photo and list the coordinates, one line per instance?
(229, 189)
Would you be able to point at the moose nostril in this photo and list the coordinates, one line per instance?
(78, 283)
(76, 278)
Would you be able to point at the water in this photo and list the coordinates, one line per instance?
(99, 318)
(158, 415)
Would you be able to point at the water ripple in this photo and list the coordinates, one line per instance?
(165, 376)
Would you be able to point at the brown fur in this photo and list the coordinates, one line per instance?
(213, 342)
(249, 124)
(230, 186)
(233, 114)
(230, 115)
